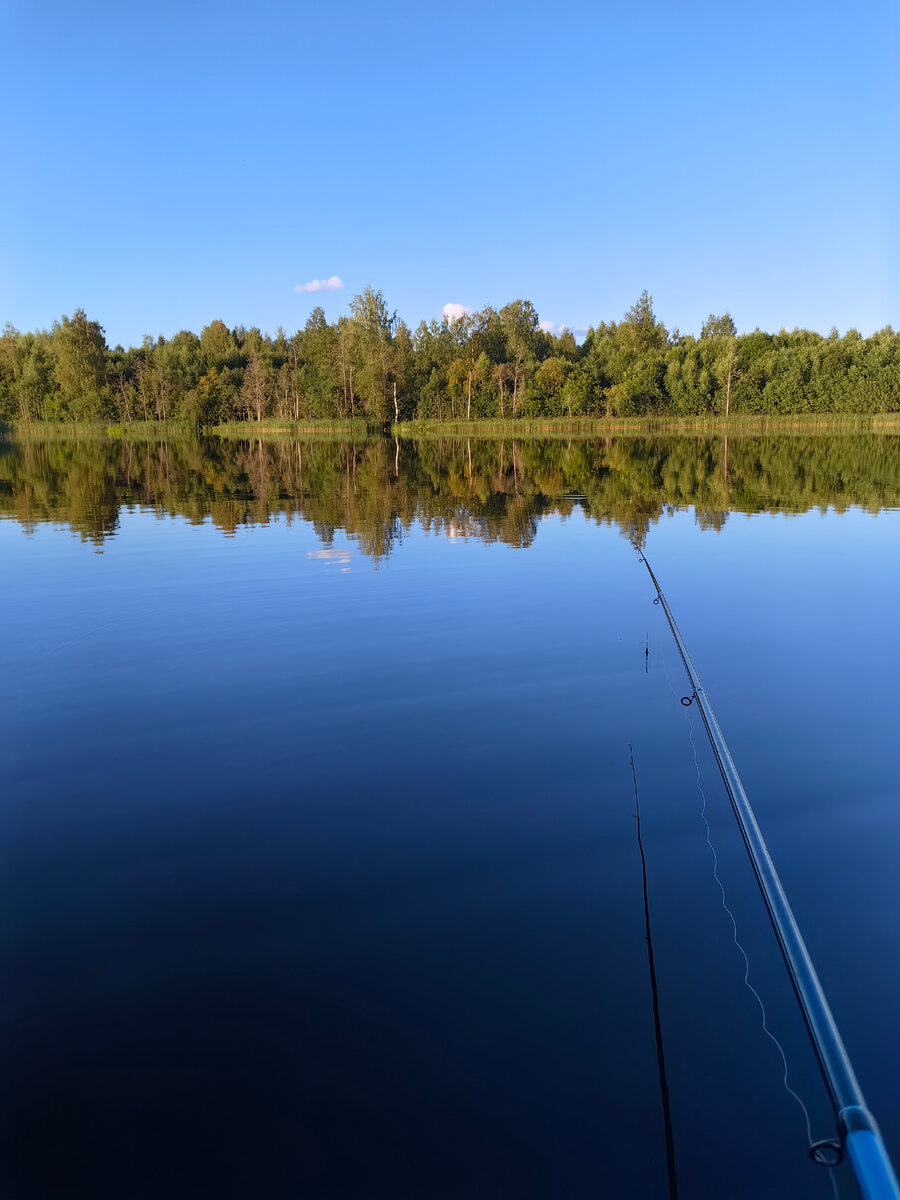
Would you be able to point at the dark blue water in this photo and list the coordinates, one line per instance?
(320, 874)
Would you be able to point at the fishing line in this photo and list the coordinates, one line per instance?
(759, 1000)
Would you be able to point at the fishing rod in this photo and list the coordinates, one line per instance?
(857, 1128)
(654, 996)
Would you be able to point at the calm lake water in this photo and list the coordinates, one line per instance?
(320, 874)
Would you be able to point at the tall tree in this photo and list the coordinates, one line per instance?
(722, 332)
(371, 341)
(79, 354)
(217, 345)
(520, 328)
(255, 389)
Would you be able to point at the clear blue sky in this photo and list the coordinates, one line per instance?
(170, 163)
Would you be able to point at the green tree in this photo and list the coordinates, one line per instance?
(371, 331)
(520, 332)
(256, 388)
(79, 366)
(26, 375)
(217, 346)
(718, 327)
(318, 379)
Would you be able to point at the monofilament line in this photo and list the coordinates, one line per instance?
(715, 858)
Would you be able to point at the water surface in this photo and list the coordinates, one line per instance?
(320, 871)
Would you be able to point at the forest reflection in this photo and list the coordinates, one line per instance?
(495, 490)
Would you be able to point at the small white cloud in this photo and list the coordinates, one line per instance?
(334, 284)
(455, 312)
(559, 330)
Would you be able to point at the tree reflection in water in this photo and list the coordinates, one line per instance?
(491, 489)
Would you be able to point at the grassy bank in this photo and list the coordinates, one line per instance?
(595, 427)
(98, 430)
(610, 426)
(251, 429)
(163, 430)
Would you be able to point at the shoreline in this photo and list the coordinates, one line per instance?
(798, 424)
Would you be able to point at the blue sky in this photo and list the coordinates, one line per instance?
(173, 163)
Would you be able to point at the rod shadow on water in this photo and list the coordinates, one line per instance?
(654, 991)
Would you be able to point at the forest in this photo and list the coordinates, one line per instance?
(497, 364)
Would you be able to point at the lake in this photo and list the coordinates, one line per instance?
(320, 870)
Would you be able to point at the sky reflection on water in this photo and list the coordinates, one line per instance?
(326, 883)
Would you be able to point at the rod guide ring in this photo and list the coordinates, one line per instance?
(827, 1153)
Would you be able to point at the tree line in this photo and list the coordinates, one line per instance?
(495, 363)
